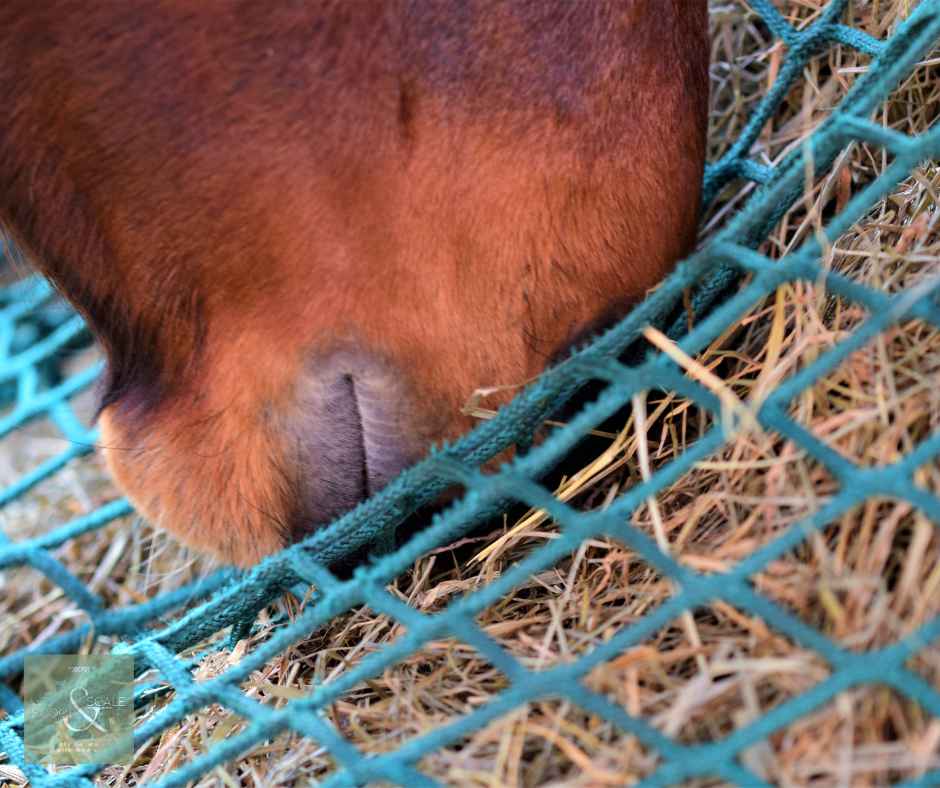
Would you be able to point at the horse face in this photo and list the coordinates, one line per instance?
(305, 234)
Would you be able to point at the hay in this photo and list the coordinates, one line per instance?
(866, 580)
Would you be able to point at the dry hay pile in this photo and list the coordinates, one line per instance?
(865, 581)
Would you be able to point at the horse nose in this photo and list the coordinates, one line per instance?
(353, 434)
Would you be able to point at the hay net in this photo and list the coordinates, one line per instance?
(156, 630)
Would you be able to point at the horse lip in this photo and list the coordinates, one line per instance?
(360, 436)
(351, 437)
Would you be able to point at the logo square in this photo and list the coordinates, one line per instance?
(79, 709)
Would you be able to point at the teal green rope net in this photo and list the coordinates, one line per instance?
(233, 600)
